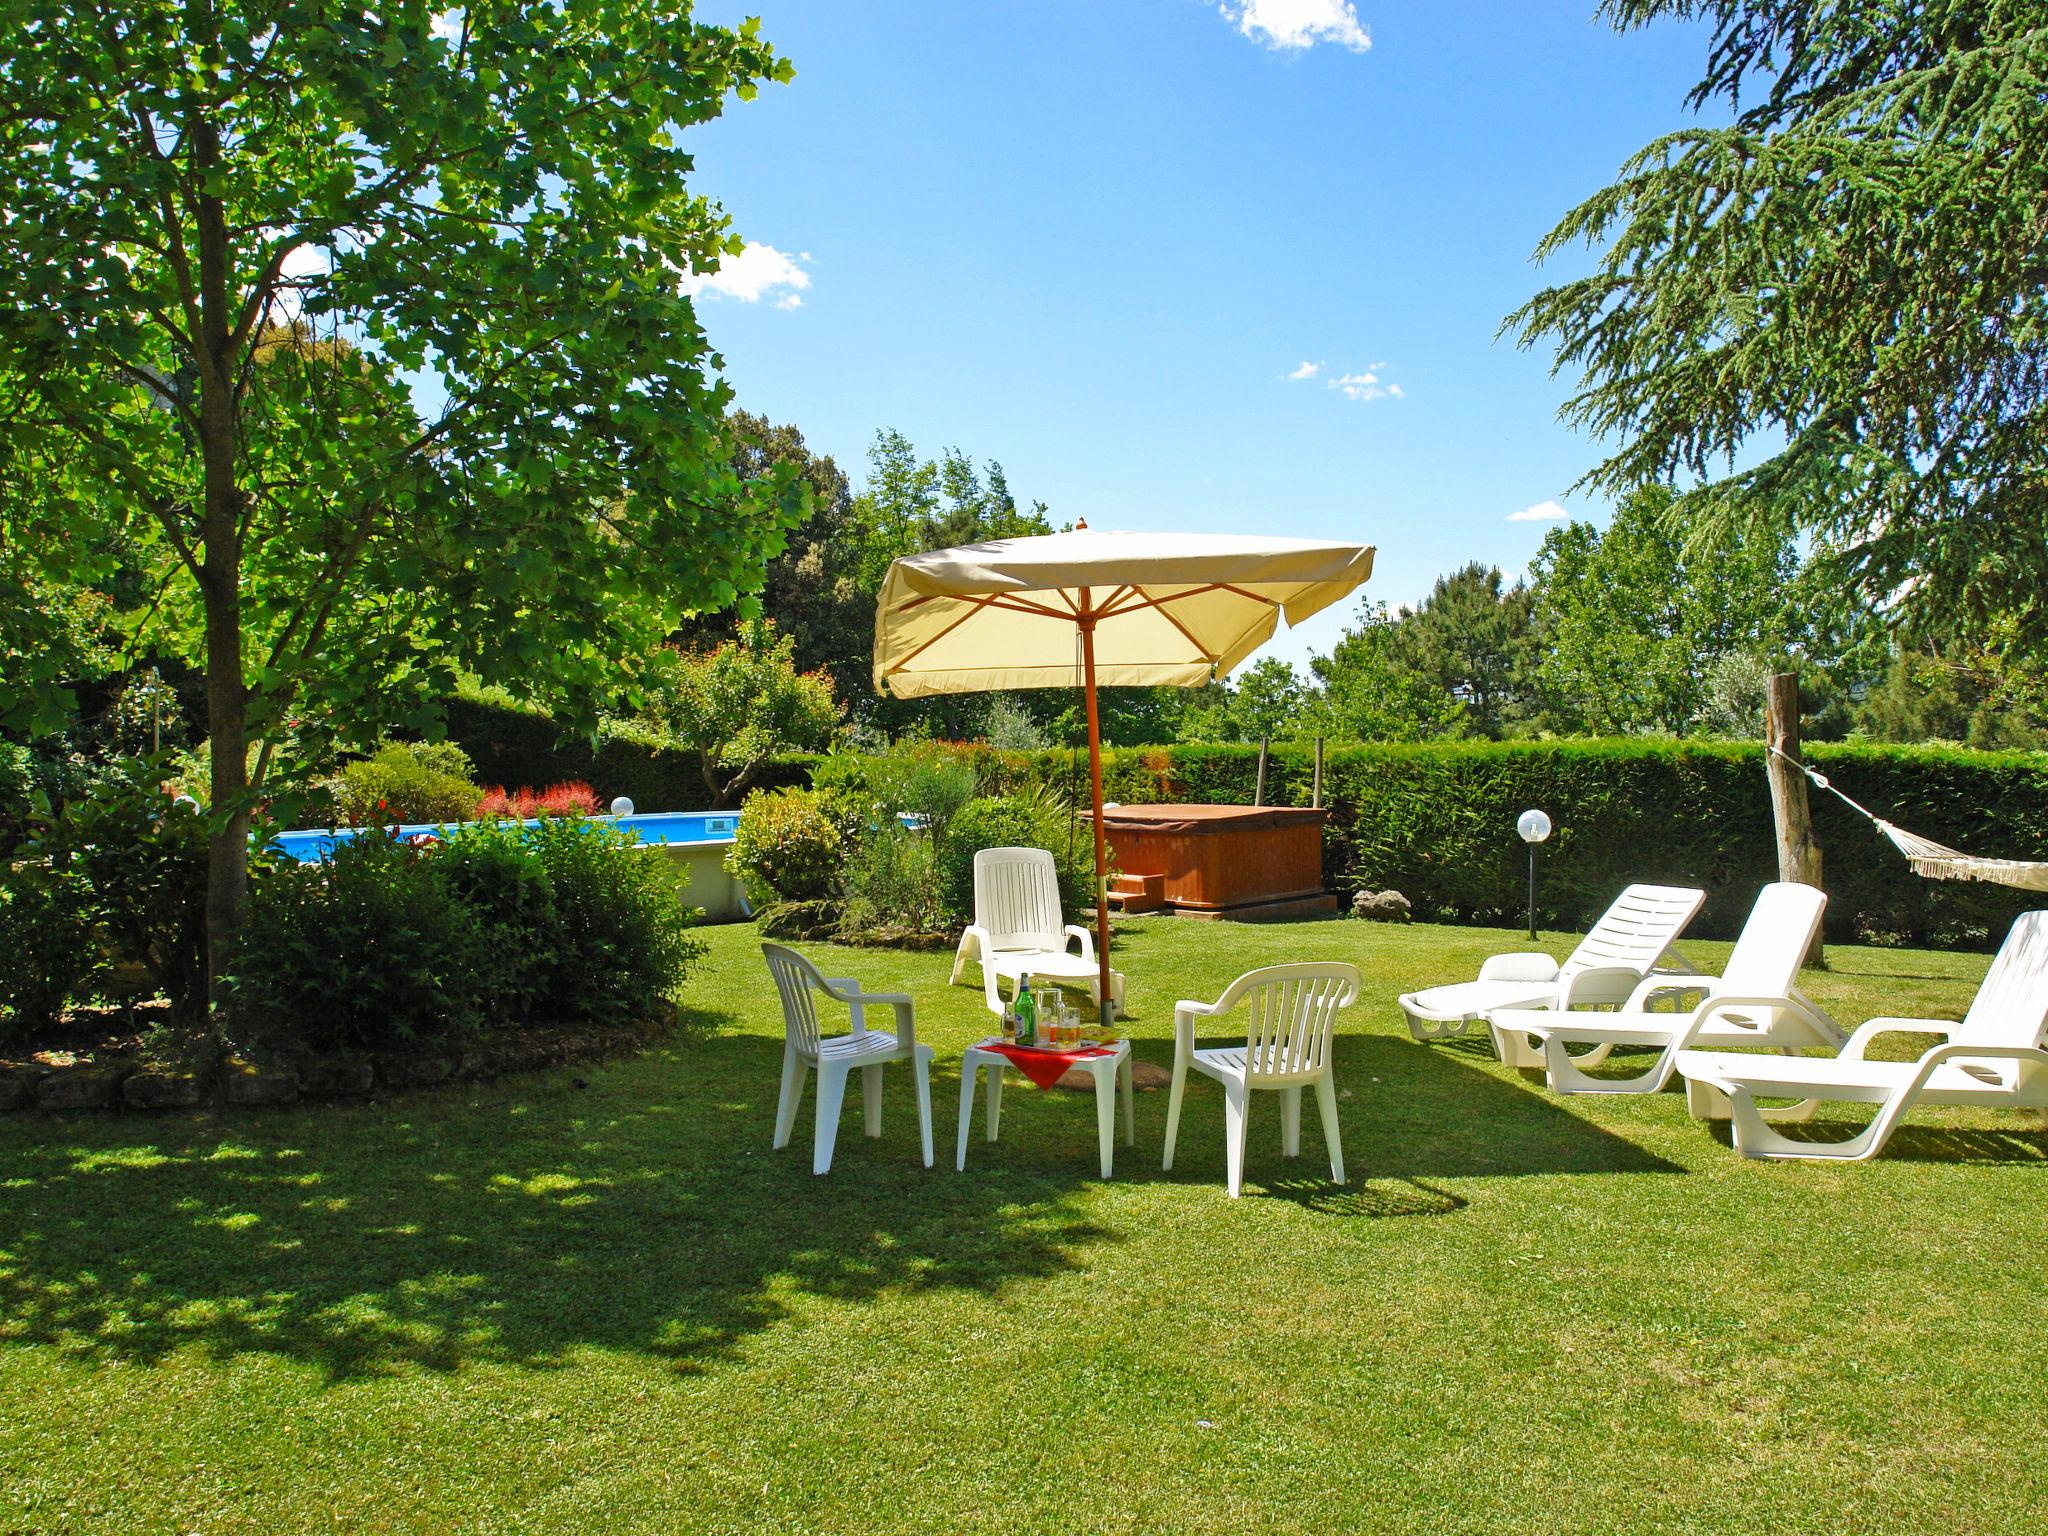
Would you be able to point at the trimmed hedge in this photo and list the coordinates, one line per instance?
(514, 748)
(1436, 820)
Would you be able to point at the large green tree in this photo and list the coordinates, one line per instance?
(1367, 691)
(492, 444)
(1471, 639)
(813, 589)
(1632, 619)
(1834, 307)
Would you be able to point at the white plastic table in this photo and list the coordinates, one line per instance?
(1111, 1071)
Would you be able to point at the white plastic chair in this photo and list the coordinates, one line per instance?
(1019, 929)
(1993, 1058)
(1632, 938)
(1754, 1002)
(1288, 1047)
(798, 982)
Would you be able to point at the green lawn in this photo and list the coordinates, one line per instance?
(596, 1301)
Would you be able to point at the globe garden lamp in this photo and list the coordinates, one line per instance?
(1534, 828)
(622, 807)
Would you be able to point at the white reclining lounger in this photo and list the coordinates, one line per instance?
(1630, 939)
(1994, 1057)
(1019, 930)
(1755, 1002)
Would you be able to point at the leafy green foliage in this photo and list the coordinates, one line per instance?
(51, 951)
(1368, 692)
(389, 943)
(408, 782)
(1632, 618)
(1472, 639)
(1956, 693)
(520, 745)
(367, 950)
(490, 868)
(622, 936)
(788, 845)
(1264, 701)
(739, 704)
(1841, 289)
(813, 590)
(144, 859)
(1040, 820)
(211, 321)
(892, 886)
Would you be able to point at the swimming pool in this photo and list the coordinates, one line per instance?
(312, 844)
(695, 840)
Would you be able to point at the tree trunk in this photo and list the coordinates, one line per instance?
(227, 698)
(1798, 849)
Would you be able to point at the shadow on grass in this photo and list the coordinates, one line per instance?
(1411, 1114)
(516, 1223)
(1367, 1198)
(1909, 1143)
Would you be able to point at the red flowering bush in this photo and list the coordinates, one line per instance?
(574, 798)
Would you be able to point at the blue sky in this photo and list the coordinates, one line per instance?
(1094, 238)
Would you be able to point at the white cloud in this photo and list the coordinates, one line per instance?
(758, 272)
(1306, 371)
(1542, 512)
(448, 26)
(1367, 386)
(1298, 24)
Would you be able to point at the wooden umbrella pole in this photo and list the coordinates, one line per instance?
(1095, 789)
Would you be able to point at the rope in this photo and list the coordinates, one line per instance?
(1929, 859)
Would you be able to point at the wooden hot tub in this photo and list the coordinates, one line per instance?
(1236, 861)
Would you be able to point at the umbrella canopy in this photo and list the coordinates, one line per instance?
(1084, 609)
(1174, 609)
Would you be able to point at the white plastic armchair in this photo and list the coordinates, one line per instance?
(1754, 1002)
(1290, 1014)
(1993, 1058)
(1019, 929)
(1633, 938)
(804, 1050)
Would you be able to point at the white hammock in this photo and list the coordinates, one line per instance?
(1936, 861)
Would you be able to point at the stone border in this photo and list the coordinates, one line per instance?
(135, 1084)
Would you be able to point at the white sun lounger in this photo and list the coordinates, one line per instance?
(1755, 1002)
(1994, 1057)
(1631, 938)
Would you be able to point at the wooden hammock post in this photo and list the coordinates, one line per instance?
(1798, 848)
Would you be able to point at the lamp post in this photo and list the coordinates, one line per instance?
(1534, 827)
(622, 807)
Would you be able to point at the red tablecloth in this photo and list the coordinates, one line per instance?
(1044, 1067)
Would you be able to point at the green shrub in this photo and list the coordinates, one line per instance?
(1015, 821)
(929, 780)
(893, 887)
(144, 859)
(622, 938)
(408, 782)
(367, 950)
(492, 868)
(788, 845)
(49, 951)
(389, 943)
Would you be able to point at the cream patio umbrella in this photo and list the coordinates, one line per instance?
(1085, 608)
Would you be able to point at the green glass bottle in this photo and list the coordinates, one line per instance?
(1027, 1013)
